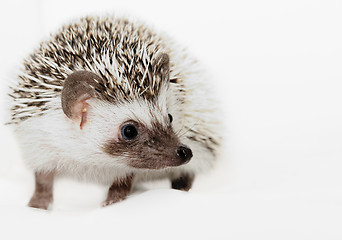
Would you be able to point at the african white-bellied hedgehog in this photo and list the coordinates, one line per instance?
(111, 101)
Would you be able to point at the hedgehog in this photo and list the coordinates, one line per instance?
(111, 101)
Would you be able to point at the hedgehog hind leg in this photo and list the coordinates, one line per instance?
(183, 182)
(43, 194)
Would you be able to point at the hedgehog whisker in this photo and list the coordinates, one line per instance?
(179, 130)
(189, 129)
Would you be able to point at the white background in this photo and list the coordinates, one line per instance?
(276, 66)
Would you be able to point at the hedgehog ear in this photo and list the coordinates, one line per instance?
(78, 87)
(162, 66)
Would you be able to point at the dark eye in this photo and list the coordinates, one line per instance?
(129, 132)
(170, 117)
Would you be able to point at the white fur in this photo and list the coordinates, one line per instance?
(53, 142)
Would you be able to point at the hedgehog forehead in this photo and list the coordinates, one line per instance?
(144, 112)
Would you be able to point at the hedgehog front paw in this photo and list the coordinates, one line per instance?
(118, 191)
(183, 183)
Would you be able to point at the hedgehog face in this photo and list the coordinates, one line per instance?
(136, 132)
(148, 144)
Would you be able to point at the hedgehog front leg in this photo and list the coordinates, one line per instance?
(119, 190)
(42, 196)
(183, 182)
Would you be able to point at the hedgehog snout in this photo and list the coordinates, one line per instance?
(184, 153)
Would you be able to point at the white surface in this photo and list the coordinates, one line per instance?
(277, 68)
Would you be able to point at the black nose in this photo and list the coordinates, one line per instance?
(184, 153)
